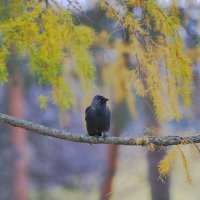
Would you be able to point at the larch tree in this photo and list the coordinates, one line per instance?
(52, 39)
(47, 36)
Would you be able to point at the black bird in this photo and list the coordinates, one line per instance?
(97, 117)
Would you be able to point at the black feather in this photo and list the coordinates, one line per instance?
(97, 116)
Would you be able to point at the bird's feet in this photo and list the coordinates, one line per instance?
(104, 135)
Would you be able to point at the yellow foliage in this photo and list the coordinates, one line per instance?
(83, 37)
(155, 88)
(120, 85)
(165, 165)
(3, 71)
(43, 101)
(102, 39)
(140, 88)
(133, 24)
(48, 37)
(164, 71)
(172, 91)
(61, 95)
(194, 148)
(134, 2)
(138, 141)
(164, 22)
(111, 12)
(185, 166)
(103, 4)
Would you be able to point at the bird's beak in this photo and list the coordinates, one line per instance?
(106, 99)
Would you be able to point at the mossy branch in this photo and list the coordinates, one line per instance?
(74, 137)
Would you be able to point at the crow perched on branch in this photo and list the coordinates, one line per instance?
(97, 117)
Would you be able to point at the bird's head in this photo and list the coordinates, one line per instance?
(99, 100)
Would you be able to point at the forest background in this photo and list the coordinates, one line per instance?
(142, 55)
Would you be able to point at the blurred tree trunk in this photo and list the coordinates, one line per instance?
(106, 192)
(159, 190)
(18, 136)
(119, 113)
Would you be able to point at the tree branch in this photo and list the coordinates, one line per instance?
(67, 135)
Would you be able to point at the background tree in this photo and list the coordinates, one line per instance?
(57, 47)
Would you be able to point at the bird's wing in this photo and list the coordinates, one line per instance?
(108, 120)
(86, 112)
(90, 123)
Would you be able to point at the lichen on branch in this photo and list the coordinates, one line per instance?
(147, 141)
